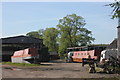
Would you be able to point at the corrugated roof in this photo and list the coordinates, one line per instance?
(20, 39)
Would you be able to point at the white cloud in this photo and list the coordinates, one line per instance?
(57, 0)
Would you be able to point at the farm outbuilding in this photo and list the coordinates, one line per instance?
(113, 44)
(17, 43)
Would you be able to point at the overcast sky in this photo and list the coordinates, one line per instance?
(22, 17)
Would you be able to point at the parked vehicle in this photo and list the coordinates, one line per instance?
(108, 54)
(69, 59)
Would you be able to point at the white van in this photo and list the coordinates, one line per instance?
(69, 57)
(109, 54)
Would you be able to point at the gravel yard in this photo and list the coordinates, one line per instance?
(52, 70)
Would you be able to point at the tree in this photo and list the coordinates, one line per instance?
(50, 38)
(36, 34)
(72, 32)
(116, 14)
(116, 9)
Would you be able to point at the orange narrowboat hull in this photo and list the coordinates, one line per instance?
(77, 59)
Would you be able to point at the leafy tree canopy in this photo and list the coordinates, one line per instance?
(36, 34)
(72, 32)
(116, 9)
(50, 38)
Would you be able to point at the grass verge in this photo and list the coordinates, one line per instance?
(20, 64)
